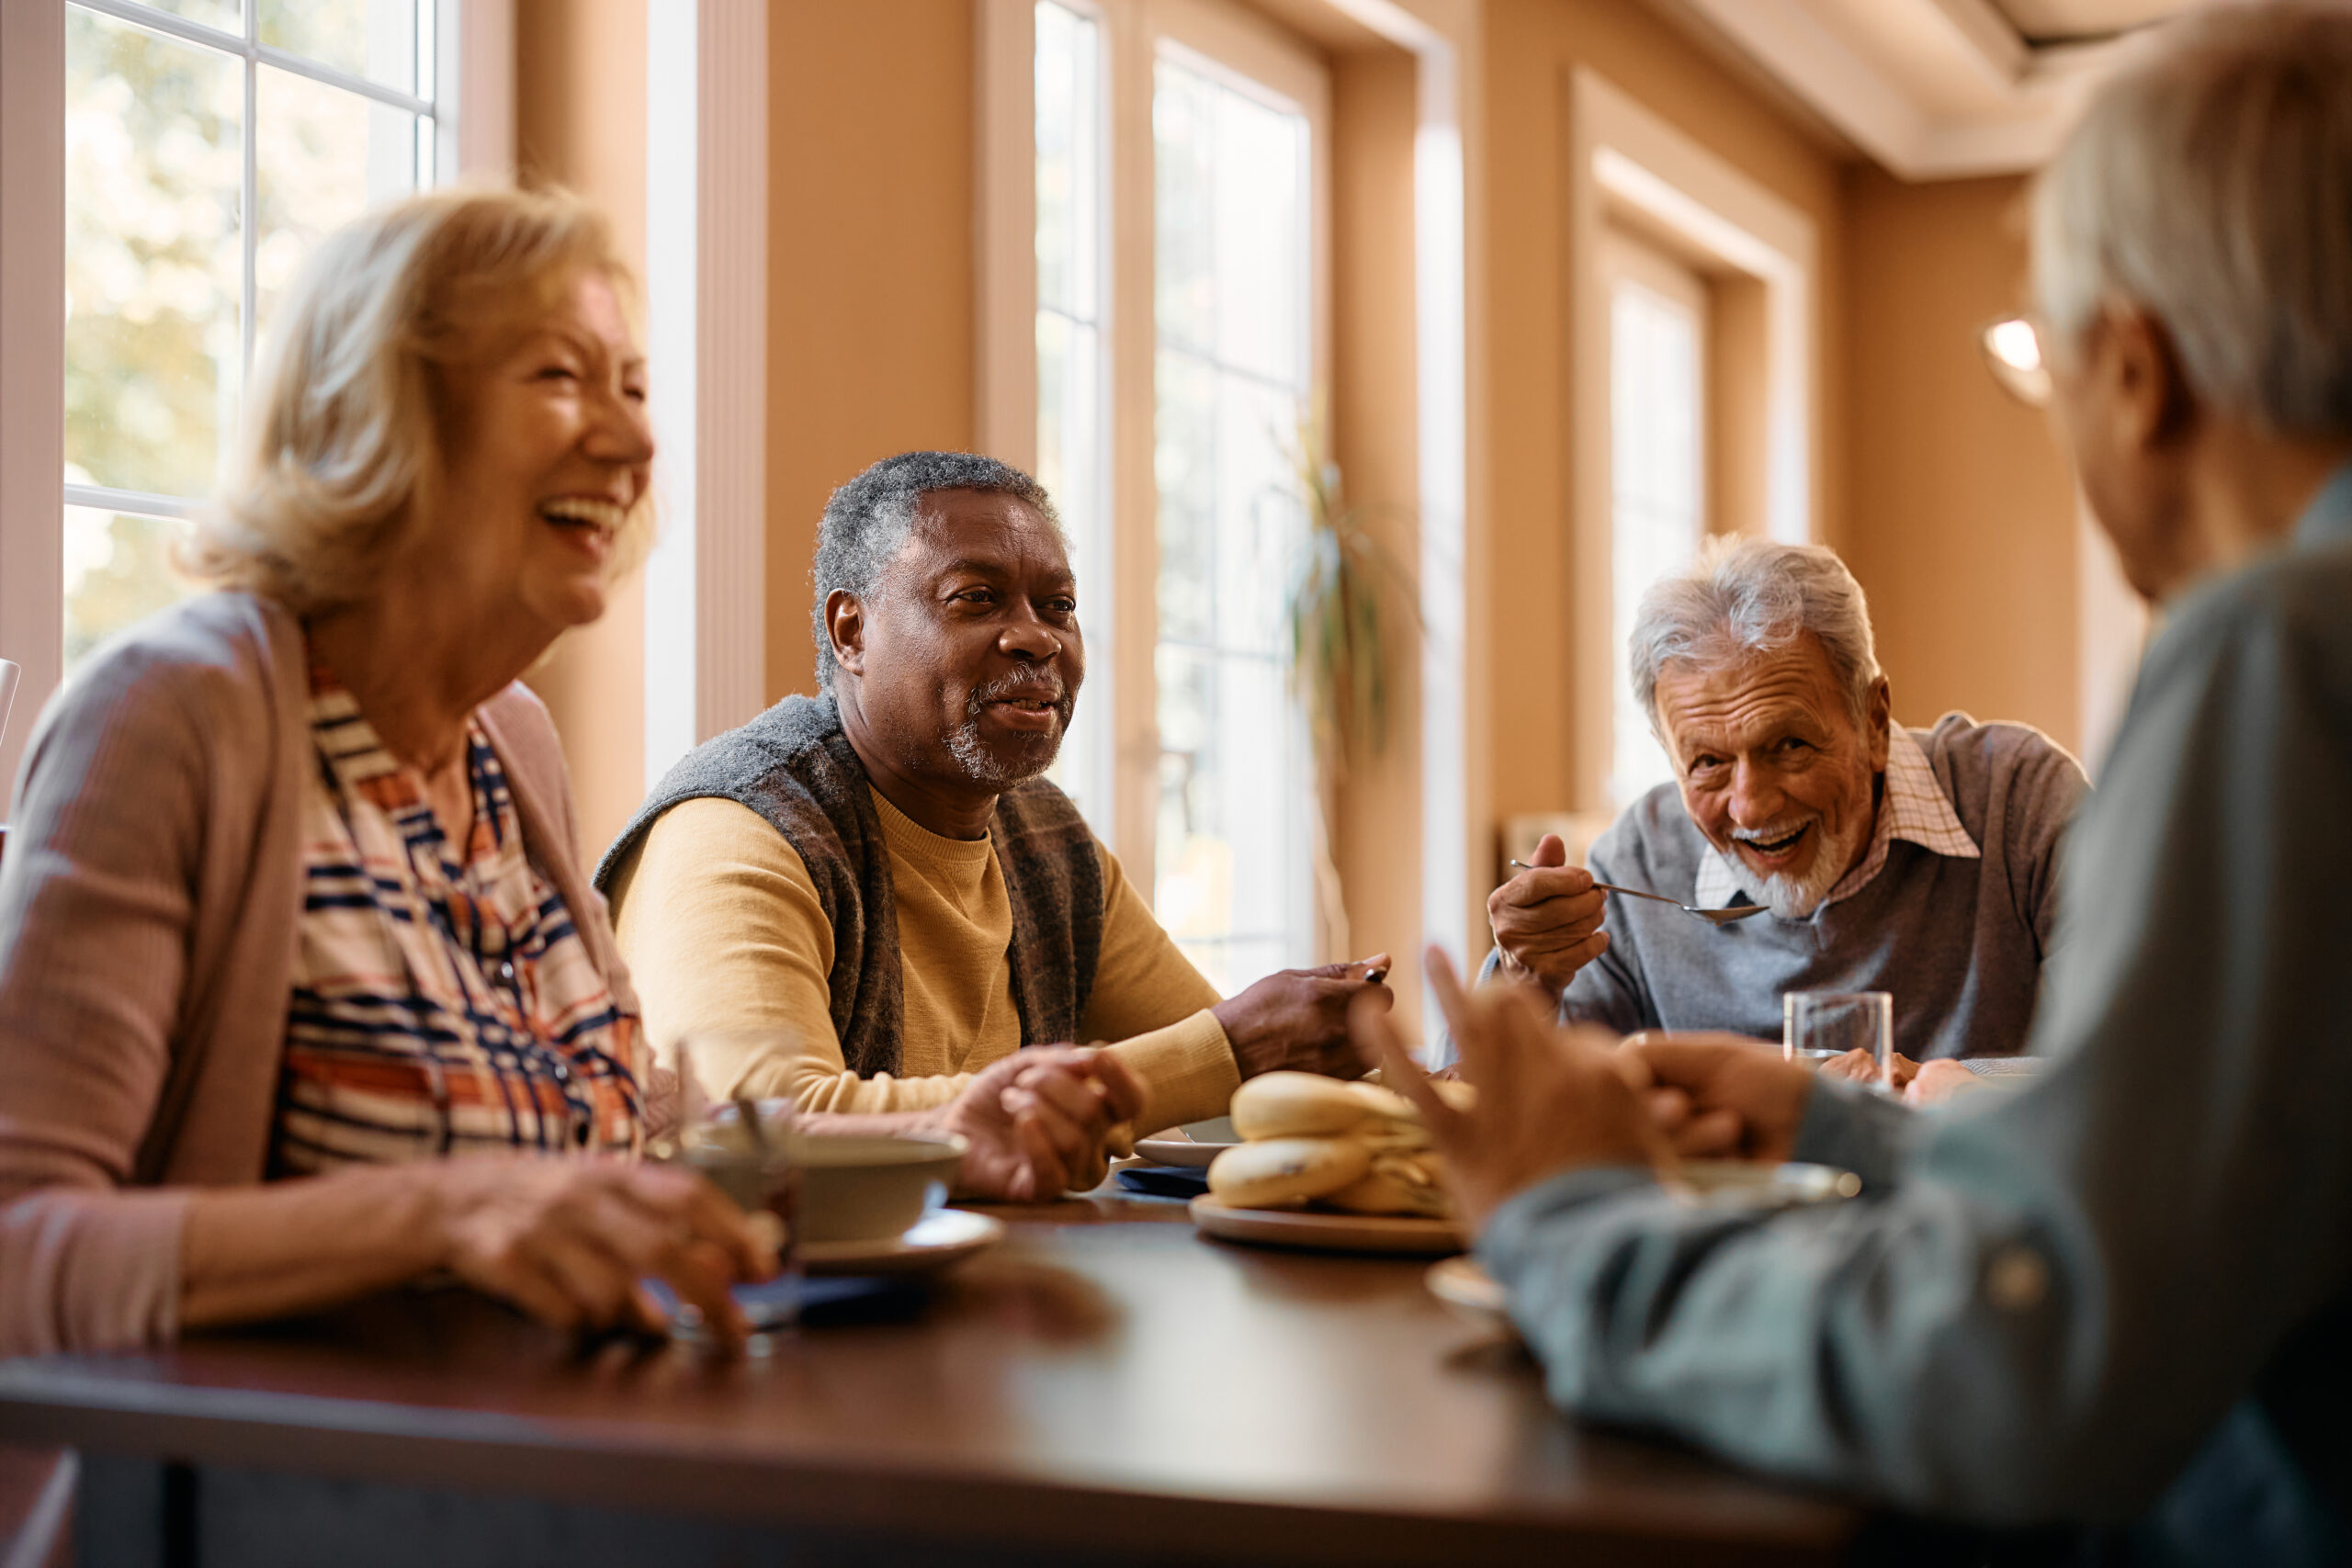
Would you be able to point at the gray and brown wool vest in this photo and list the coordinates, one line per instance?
(795, 767)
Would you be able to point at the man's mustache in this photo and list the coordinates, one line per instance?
(1041, 686)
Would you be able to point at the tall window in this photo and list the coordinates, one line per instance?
(1073, 425)
(1232, 873)
(1181, 315)
(208, 145)
(1656, 392)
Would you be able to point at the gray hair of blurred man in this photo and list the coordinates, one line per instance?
(868, 520)
(1743, 597)
(2210, 184)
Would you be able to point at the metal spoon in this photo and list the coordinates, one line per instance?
(1713, 917)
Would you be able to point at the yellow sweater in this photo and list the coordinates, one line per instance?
(725, 937)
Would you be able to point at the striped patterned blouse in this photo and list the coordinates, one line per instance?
(443, 1002)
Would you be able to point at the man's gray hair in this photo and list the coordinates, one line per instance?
(1745, 596)
(2210, 183)
(868, 520)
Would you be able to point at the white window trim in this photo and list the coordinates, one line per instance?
(1620, 151)
(474, 137)
(704, 655)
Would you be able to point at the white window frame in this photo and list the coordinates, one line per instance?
(473, 115)
(1629, 259)
(705, 650)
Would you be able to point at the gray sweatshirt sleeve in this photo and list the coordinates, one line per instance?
(2072, 1284)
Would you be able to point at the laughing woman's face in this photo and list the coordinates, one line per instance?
(548, 451)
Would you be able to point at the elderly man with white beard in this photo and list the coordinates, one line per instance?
(861, 900)
(1916, 862)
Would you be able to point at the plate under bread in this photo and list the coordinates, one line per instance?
(1192, 1146)
(1410, 1236)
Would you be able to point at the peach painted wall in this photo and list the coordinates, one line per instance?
(870, 256)
(1960, 510)
(1374, 434)
(580, 121)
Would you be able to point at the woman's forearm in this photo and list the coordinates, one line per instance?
(250, 1253)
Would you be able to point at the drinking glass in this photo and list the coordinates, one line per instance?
(756, 1164)
(1818, 1025)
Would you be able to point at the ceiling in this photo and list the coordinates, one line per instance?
(1932, 88)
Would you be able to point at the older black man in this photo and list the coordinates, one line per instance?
(2120, 1299)
(1922, 862)
(872, 893)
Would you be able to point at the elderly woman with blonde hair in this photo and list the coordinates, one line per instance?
(303, 992)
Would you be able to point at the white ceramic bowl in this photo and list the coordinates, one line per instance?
(871, 1189)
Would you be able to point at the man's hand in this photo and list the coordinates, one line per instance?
(1940, 1081)
(1858, 1066)
(1547, 919)
(1297, 1019)
(1037, 1121)
(1549, 1099)
(1722, 1095)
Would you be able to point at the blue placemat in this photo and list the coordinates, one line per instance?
(1165, 1180)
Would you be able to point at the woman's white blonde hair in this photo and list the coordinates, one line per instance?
(346, 429)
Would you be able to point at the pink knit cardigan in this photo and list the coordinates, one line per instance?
(148, 903)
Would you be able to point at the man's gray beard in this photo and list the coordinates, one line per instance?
(984, 767)
(1796, 898)
(1032, 754)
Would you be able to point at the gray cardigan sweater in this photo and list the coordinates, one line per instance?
(148, 905)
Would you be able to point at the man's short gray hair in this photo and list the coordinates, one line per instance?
(2210, 183)
(868, 520)
(1745, 596)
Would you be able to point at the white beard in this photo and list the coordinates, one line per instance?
(1797, 897)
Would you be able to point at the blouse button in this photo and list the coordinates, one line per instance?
(506, 970)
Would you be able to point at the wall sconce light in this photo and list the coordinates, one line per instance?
(2012, 348)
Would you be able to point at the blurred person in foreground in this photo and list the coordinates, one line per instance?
(303, 992)
(1922, 862)
(879, 877)
(2116, 1303)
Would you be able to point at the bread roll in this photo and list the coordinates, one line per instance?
(1284, 1172)
(1395, 1184)
(1296, 1105)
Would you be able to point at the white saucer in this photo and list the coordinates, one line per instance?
(1172, 1147)
(938, 1240)
(1192, 1146)
(1471, 1293)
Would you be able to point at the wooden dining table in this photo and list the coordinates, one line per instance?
(1104, 1382)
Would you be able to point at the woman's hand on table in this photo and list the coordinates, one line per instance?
(567, 1240)
(1037, 1122)
(1549, 1099)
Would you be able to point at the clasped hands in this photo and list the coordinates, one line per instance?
(1553, 1099)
